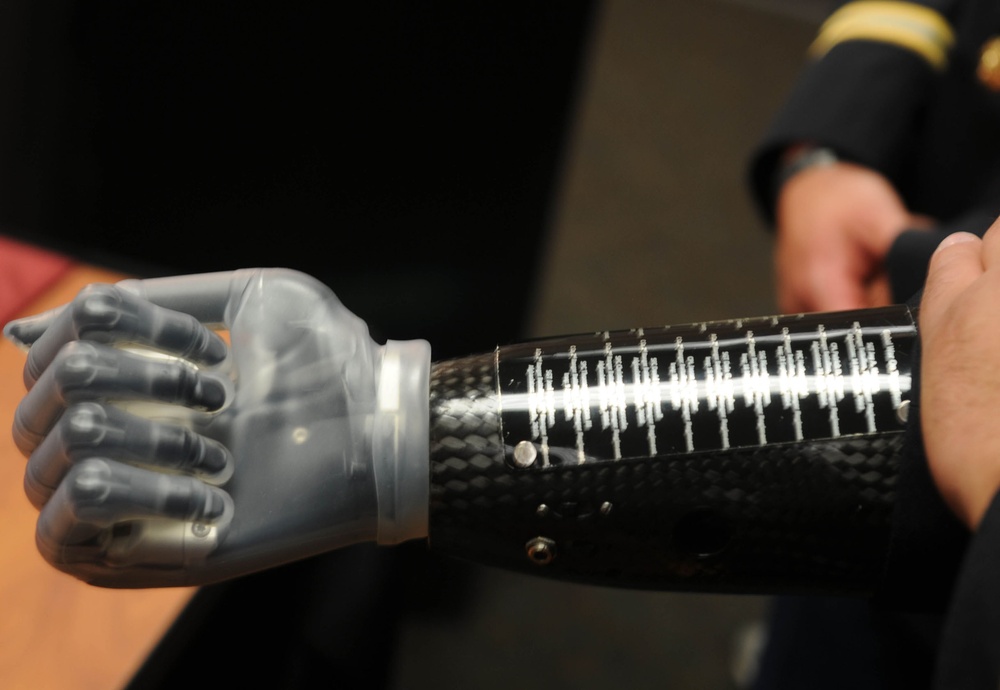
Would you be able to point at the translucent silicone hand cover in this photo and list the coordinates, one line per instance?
(191, 429)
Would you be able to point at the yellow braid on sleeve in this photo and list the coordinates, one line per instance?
(918, 29)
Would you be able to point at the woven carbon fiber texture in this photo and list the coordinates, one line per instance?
(811, 516)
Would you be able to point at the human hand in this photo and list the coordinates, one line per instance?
(161, 455)
(835, 225)
(960, 371)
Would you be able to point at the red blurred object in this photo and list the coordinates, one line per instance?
(26, 271)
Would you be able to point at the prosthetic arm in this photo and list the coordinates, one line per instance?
(193, 429)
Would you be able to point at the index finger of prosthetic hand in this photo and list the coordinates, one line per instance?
(111, 314)
(116, 525)
(203, 297)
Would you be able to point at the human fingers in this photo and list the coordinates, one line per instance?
(991, 246)
(817, 278)
(834, 285)
(955, 265)
(959, 383)
(878, 292)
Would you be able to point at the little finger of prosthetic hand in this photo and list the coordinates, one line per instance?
(193, 429)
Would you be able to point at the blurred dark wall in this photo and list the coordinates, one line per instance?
(404, 153)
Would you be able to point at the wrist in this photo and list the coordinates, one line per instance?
(799, 158)
(401, 441)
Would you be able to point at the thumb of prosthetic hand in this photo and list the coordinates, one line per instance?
(193, 429)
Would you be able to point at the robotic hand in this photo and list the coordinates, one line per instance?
(763, 455)
(159, 454)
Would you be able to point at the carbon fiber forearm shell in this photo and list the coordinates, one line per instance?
(801, 514)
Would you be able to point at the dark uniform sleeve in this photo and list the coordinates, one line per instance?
(862, 97)
(969, 656)
(927, 542)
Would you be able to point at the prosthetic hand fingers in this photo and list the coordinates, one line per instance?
(112, 314)
(92, 429)
(25, 331)
(109, 514)
(84, 371)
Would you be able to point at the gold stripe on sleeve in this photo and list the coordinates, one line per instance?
(913, 27)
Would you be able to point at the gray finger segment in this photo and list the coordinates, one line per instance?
(88, 371)
(108, 314)
(96, 309)
(25, 331)
(100, 498)
(104, 492)
(91, 429)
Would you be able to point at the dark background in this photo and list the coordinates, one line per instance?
(404, 153)
(468, 173)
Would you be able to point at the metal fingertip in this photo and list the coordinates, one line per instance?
(216, 465)
(24, 331)
(215, 505)
(217, 350)
(215, 459)
(12, 332)
(211, 394)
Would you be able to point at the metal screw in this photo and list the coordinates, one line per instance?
(542, 510)
(540, 550)
(200, 530)
(903, 411)
(606, 508)
(525, 454)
